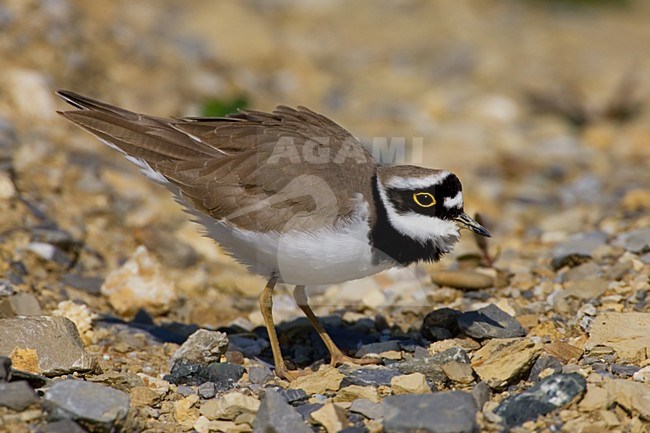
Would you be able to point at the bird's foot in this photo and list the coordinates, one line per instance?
(283, 372)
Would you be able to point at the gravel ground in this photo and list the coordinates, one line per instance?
(540, 107)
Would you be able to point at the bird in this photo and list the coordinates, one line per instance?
(291, 195)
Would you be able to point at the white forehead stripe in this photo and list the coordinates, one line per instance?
(417, 182)
(455, 201)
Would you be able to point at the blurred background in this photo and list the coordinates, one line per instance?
(540, 107)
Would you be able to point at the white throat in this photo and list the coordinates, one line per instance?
(422, 228)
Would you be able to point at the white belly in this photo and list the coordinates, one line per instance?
(322, 257)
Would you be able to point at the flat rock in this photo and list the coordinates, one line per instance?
(61, 426)
(202, 347)
(367, 408)
(544, 364)
(431, 366)
(90, 404)
(441, 412)
(499, 362)
(294, 395)
(139, 284)
(440, 324)
(490, 322)
(331, 417)
(17, 395)
(633, 396)
(229, 406)
(414, 383)
(635, 241)
(577, 249)
(260, 374)
(275, 415)
(365, 376)
(325, 379)
(56, 341)
(563, 351)
(354, 392)
(626, 333)
(465, 280)
(551, 393)
(20, 304)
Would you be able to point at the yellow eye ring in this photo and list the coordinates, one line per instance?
(424, 199)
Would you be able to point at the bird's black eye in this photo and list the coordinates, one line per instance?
(424, 199)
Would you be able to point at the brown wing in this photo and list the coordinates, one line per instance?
(292, 168)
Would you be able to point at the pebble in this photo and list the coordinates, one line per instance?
(441, 412)
(55, 342)
(229, 406)
(414, 383)
(563, 351)
(294, 395)
(260, 374)
(223, 374)
(276, 415)
(459, 372)
(551, 393)
(367, 408)
(577, 249)
(325, 379)
(624, 370)
(89, 403)
(490, 322)
(20, 304)
(431, 366)
(202, 347)
(143, 396)
(440, 324)
(207, 390)
(643, 375)
(500, 362)
(139, 284)
(17, 395)
(365, 376)
(331, 417)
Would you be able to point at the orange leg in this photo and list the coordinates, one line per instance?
(337, 356)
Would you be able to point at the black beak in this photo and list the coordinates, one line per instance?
(466, 221)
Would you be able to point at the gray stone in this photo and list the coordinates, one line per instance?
(223, 374)
(551, 393)
(441, 412)
(88, 403)
(481, 393)
(292, 395)
(61, 426)
(490, 322)
(56, 340)
(207, 390)
(577, 249)
(431, 366)
(6, 288)
(544, 362)
(202, 347)
(248, 346)
(20, 304)
(635, 241)
(624, 370)
(377, 348)
(5, 368)
(368, 376)
(440, 324)
(275, 415)
(367, 408)
(17, 395)
(260, 374)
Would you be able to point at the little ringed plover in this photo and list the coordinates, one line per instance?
(290, 194)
